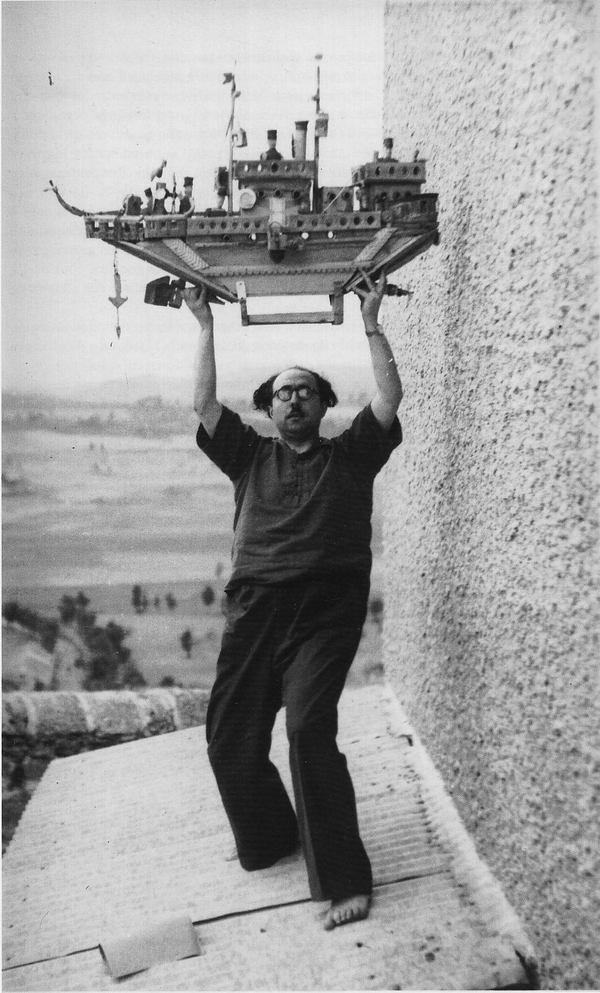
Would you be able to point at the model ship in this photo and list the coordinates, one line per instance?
(287, 235)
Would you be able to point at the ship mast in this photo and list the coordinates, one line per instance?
(317, 99)
(230, 78)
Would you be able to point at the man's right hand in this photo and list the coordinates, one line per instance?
(196, 298)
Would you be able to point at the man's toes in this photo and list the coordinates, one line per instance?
(332, 919)
(346, 911)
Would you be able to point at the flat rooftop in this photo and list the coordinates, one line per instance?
(116, 840)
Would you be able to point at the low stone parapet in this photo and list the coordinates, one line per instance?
(39, 727)
(92, 720)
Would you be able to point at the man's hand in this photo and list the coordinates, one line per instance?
(370, 305)
(196, 298)
(206, 404)
(389, 388)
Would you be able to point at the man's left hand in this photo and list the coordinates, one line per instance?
(369, 307)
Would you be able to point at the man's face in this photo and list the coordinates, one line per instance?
(297, 419)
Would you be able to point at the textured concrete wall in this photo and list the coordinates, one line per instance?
(492, 505)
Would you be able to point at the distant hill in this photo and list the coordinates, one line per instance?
(349, 382)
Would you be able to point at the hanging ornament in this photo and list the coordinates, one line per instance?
(118, 300)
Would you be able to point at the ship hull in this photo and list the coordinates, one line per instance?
(321, 254)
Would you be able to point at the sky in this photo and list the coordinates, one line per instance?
(136, 81)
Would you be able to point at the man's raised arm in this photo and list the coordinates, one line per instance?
(387, 399)
(206, 404)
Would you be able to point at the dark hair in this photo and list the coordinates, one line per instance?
(263, 396)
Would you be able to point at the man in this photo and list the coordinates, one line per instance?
(296, 604)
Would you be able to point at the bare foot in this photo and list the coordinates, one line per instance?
(285, 858)
(354, 908)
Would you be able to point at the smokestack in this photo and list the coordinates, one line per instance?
(299, 140)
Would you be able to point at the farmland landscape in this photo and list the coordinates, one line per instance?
(100, 498)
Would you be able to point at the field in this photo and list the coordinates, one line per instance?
(102, 513)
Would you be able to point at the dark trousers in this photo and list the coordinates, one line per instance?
(292, 646)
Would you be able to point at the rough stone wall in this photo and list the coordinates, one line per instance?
(491, 635)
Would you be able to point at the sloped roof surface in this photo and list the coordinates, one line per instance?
(115, 839)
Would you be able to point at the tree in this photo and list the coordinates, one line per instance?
(186, 642)
(48, 634)
(67, 609)
(46, 628)
(110, 666)
(82, 600)
(170, 601)
(136, 598)
(208, 596)
(106, 659)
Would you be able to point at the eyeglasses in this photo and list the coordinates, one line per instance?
(286, 393)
